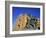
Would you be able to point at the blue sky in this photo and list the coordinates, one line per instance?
(18, 10)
